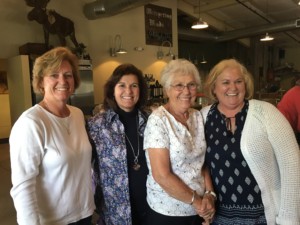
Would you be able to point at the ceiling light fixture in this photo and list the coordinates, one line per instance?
(160, 54)
(267, 37)
(203, 60)
(199, 24)
(117, 47)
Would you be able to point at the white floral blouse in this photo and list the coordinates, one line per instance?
(187, 150)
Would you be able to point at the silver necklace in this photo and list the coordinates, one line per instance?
(136, 166)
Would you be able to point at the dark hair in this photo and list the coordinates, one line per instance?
(51, 61)
(118, 73)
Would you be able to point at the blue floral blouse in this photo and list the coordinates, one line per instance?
(110, 170)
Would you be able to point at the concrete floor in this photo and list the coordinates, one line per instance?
(7, 210)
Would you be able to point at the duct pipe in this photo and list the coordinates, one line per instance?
(106, 8)
(94, 9)
(196, 35)
(240, 33)
(253, 31)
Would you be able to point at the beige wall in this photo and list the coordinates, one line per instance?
(19, 86)
(95, 34)
(17, 30)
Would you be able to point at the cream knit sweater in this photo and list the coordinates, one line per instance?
(269, 146)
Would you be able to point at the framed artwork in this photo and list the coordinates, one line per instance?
(158, 24)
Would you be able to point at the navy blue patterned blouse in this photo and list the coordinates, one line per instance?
(239, 197)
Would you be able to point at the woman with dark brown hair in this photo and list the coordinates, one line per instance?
(117, 135)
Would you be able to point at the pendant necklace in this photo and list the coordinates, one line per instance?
(136, 165)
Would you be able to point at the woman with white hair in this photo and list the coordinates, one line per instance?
(178, 186)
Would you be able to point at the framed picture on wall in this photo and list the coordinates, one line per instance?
(158, 24)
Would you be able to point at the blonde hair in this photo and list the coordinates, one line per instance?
(51, 61)
(210, 82)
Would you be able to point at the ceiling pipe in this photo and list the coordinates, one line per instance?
(240, 33)
(264, 17)
(106, 8)
(195, 35)
(258, 30)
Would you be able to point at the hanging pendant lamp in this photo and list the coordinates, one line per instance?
(199, 24)
(267, 37)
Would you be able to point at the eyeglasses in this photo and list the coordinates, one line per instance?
(180, 87)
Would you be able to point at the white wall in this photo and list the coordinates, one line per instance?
(95, 34)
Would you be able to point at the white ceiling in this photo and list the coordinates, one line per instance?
(229, 15)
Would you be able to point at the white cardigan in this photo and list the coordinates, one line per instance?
(269, 146)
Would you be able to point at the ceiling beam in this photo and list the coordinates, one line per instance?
(215, 5)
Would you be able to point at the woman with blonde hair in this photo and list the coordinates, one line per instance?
(252, 153)
(50, 151)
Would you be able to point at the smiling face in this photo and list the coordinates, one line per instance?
(59, 85)
(127, 92)
(230, 88)
(182, 99)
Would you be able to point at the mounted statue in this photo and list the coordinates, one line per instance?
(53, 23)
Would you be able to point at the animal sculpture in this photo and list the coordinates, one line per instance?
(53, 23)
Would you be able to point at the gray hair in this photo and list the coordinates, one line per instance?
(181, 67)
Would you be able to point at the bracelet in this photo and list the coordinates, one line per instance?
(193, 198)
(211, 193)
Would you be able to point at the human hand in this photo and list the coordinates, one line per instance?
(207, 209)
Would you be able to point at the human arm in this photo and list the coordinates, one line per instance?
(272, 153)
(289, 107)
(185, 157)
(207, 209)
(287, 156)
(97, 191)
(26, 149)
(169, 182)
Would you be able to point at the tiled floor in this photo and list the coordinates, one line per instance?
(7, 210)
